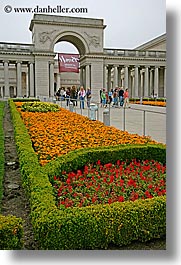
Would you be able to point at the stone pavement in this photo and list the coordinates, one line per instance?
(153, 117)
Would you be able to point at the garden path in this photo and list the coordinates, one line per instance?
(14, 201)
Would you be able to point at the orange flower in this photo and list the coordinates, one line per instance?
(56, 133)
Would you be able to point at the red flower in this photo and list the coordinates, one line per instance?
(118, 162)
(98, 162)
(121, 182)
(150, 186)
(111, 179)
(94, 199)
(109, 200)
(68, 181)
(121, 199)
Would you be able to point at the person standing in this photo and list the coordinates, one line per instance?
(121, 96)
(103, 97)
(82, 95)
(67, 96)
(73, 96)
(126, 98)
(88, 95)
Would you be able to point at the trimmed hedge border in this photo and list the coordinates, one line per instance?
(11, 233)
(77, 159)
(93, 227)
(25, 99)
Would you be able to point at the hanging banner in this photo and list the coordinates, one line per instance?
(68, 62)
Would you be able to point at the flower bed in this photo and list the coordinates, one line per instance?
(56, 133)
(91, 227)
(100, 184)
(152, 103)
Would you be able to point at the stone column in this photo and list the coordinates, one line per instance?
(87, 69)
(115, 77)
(97, 78)
(1, 92)
(136, 81)
(126, 78)
(130, 82)
(51, 78)
(27, 86)
(146, 81)
(119, 76)
(81, 76)
(105, 77)
(31, 80)
(156, 81)
(84, 77)
(109, 78)
(58, 81)
(151, 82)
(142, 83)
(6, 78)
(165, 82)
(15, 91)
(19, 79)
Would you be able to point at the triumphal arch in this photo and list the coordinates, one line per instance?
(29, 69)
(86, 34)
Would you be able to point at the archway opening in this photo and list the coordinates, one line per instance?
(65, 79)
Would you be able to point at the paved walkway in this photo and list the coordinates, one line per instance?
(153, 117)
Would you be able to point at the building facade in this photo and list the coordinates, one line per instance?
(31, 69)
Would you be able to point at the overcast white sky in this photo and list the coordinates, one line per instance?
(130, 23)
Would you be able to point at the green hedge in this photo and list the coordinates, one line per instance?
(2, 104)
(95, 227)
(78, 158)
(11, 232)
(25, 99)
(92, 227)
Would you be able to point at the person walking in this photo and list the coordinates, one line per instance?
(126, 99)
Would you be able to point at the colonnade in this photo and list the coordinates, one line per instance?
(142, 81)
(17, 79)
(85, 76)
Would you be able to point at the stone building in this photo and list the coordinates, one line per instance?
(31, 69)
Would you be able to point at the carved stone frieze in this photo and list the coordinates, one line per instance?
(45, 36)
(93, 40)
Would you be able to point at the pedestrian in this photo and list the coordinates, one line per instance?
(88, 96)
(58, 95)
(62, 93)
(126, 98)
(67, 95)
(110, 94)
(115, 98)
(121, 96)
(73, 95)
(103, 97)
(100, 93)
(82, 95)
